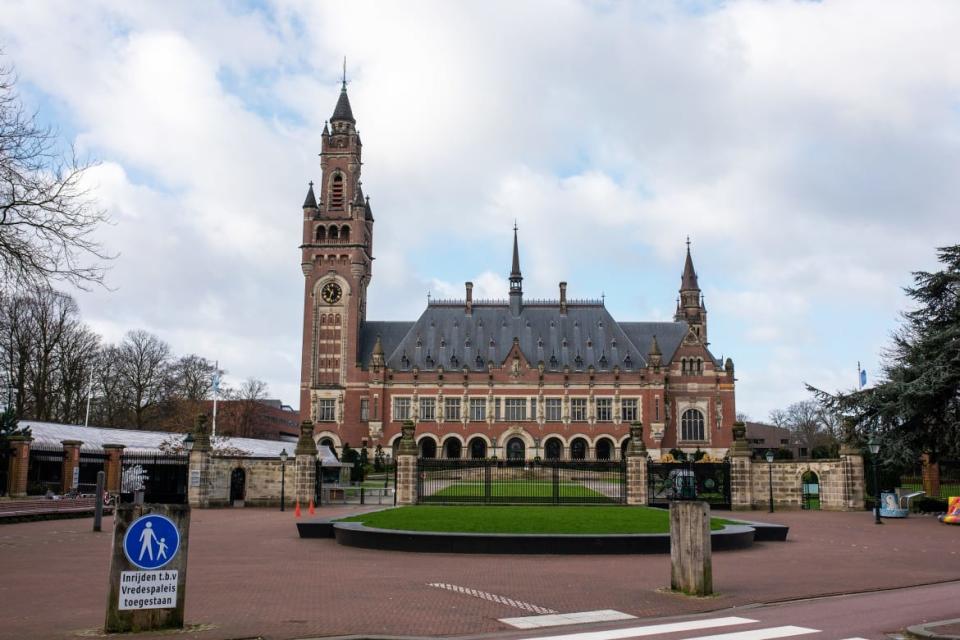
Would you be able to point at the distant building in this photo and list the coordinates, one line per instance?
(767, 437)
(267, 419)
(513, 378)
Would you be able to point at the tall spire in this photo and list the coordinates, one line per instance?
(688, 282)
(516, 290)
(311, 201)
(343, 110)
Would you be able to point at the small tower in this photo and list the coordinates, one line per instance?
(690, 307)
(654, 357)
(516, 279)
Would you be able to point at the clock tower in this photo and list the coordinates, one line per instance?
(336, 257)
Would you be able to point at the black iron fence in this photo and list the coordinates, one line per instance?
(45, 469)
(490, 481)
(162, 477)
(708, 481)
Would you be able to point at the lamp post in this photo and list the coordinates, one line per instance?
(188, 442)
(874, 446)
(283, 477)
(769, 457)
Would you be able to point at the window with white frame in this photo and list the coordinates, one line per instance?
(451, 409)
(691, 425)
(326, 410)
(364, 409)
(604, 409)
(496, 409)
(628, 410)
(401, 408)
(578, 409)
(428, 408)
(554, 409)
(533, 408)
(478, 409)
(515, 409)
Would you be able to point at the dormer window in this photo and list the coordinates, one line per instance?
(405, 361)
(553, 362)
(454, 362)
(603, 361)
(628, 362)
(479, 362)
(578, 362)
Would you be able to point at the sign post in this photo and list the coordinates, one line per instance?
(148, 570)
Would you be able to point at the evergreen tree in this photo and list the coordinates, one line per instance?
(915, 406)
(379, 459)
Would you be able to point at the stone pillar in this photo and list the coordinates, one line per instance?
(113, 466)
(931, 476)
(71, 463)
(637, 493)
(19, 465)
(305, 475)
(690, 552)
(407, 465)
(853, 478)
(741, 481)
(198, 489)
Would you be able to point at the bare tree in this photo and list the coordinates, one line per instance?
(191, 378)
(742, 416)
(246, 406)
(804, 420)
(47, 215)
(143, 362)
(779, 418)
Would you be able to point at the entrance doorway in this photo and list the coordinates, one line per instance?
(516, 450)
(478, 449)
(810, 490)
(238, 486)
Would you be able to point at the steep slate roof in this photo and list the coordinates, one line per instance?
(447, 336)
(391, 334)
(311, 201)
(689, 278)
(343, 111)
(669, 336)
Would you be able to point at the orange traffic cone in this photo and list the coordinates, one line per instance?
(296, 512)
(312, 510)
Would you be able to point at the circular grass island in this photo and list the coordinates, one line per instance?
(526, 530)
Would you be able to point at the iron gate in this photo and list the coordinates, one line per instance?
(492, 481)
(161, 476)
(707, 481)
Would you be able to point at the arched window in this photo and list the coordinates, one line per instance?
(691, 425)
(578, 449)
(345, 233)
(452, 449)
(604, 447)
(328, 443)
(336, 192)
(516, 450)
(478, 449)
(334, 232)
(552, 448)
(428, 448)
(321, 233)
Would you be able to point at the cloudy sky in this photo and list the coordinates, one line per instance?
(810, 150)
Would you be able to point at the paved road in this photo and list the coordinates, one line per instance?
(876, 615)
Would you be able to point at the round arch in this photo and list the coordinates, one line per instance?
(427, 445)
(478, 447)
(452, 446)
(515, 448)
(579, 448)
(553, 447)
(603, 448)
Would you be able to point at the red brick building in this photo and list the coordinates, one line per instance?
(510, 378)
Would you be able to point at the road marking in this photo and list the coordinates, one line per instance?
(492, 597)
(653, 629)
(552, 620)
(760, 634)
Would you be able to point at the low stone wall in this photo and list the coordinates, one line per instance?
(840, 483)
(262, 480)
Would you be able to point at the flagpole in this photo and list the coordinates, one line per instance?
(86, 420)
(216, 392)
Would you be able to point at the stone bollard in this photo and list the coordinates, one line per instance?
(690, 552)
(71, 464)
(636, 462)
(741, 480)
(198, 489)
(305, 484)
(406, 462)
(19, 465)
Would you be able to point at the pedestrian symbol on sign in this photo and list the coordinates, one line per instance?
(151, 541)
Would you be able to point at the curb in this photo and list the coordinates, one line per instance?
(926, 630)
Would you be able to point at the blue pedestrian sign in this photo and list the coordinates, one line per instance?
(151, 541)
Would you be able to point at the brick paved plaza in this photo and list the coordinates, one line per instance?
(250, 575)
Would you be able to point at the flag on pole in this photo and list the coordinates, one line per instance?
(863, 378)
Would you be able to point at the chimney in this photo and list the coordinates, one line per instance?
(563, 298)
(469, 309)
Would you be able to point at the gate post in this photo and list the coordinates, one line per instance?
(305, 473)
(852, 465)
(19, 465)
(741, 480)
(637, 490)
(71, 463)
(931, 476)
(406, 489)
(198, 471)
(112, 466)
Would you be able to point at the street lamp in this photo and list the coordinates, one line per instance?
(769, 457)
(874, 446)
(188, 442)
(283, 476)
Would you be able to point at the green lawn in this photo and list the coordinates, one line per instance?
(486, 519)
(520, 489)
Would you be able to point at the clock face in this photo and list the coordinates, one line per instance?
(331, 293)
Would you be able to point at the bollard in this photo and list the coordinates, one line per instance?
(361, 495)
(690, 551)
(98, 504)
